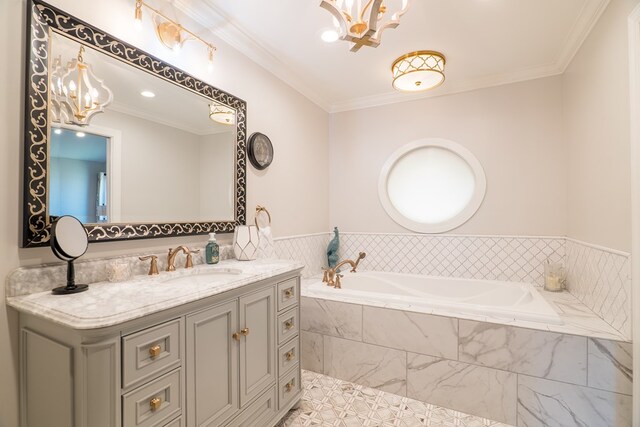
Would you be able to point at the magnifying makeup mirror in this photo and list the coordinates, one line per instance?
(69, 241)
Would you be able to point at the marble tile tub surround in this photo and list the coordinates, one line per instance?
(601, 279)
(507, 373)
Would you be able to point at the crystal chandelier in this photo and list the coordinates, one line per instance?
(76, 93)
(363, 21)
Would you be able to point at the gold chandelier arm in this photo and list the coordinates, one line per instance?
(364, 9)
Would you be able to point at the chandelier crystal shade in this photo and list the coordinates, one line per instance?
(222, 114)
(418, 71)
(76, 93)
(363, 21)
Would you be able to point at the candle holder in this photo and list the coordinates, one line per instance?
(554, 276)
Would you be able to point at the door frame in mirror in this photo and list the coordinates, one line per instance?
(36, 224)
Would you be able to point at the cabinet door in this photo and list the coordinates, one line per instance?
(257, 346)
(212, 365)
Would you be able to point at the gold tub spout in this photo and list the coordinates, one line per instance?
(331, 276)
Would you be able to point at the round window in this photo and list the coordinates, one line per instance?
(432, 185)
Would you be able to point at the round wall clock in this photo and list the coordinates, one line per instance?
(260, 150)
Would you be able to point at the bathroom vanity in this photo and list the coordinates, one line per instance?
(214, 346)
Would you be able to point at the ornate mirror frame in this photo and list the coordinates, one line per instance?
(41, 18)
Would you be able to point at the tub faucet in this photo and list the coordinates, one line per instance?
(331, 276)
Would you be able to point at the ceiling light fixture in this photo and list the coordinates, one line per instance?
(57, 131)
(222, 114)
(170, 33)
(148, 94)
(363, 24)
(418, 71)
(330, 36)
(76, 93)
(81, 134)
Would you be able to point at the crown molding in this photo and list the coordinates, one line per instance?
(240, 40)
(237, 38)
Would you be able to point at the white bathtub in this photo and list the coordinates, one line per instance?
(504, 300)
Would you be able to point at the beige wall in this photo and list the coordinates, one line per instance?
(596, 129)
(295, 188)
(514, 130)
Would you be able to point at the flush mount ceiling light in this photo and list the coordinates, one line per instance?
(147, 94)
(417, 71)
(363, 21)
(170, 33)
(222, 114)
(76, 93)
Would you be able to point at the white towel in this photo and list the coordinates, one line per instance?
(265, 244)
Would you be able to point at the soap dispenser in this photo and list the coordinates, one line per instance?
(212, 251)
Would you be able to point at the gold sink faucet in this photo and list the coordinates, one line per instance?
(171, 257)
(331, 276)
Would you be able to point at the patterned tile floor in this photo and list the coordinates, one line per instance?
(329, 401)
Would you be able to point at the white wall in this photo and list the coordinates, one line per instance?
(514, 130)
(216, 175)
(294, 188)
(596, 129)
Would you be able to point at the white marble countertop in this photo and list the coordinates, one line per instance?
(578, 318)
(107, 304)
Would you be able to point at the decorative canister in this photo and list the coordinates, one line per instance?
(245, 242)
(554, 276)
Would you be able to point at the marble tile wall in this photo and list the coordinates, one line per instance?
(518, 259)
(514, 375)
(601, 279)
(310, 249)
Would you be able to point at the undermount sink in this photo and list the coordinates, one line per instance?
(205, 276)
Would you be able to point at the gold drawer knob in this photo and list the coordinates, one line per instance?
(289, 386)
(288, 355)
(244, 331)
(155, 403)
(154, 351)
(288, 324)
(236, 336)
(288, 293)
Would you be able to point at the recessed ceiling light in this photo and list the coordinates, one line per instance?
(80, 134)
(147, 94)
(57, 131)
(329, 36)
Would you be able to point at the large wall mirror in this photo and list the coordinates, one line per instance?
(130, 145)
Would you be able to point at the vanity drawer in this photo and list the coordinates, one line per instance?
(288, 293)
(287, 325)
(175, 423)
(151, 352)
(288, 387)
(259, 412)
(288, 355)
(154, 403)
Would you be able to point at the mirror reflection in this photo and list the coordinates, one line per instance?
(129, 147)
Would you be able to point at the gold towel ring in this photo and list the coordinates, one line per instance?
(261, 209)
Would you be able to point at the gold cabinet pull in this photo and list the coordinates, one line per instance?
(155, 403)
(244, 331)
(236, 336)
(288, 293)
(288, 324)
(289, 386)
(288, 355)
(154, 351)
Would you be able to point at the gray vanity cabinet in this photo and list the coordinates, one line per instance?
(212, 365)
(231, 357)
(226, 360)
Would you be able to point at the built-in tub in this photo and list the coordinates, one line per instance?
(506, 300)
